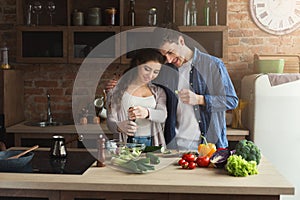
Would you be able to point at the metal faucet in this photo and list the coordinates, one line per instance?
(49, 113)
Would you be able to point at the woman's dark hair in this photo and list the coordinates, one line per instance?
(141, 56)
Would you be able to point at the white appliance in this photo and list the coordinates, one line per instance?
(273, 118)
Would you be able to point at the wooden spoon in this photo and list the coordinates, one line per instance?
(24, 152)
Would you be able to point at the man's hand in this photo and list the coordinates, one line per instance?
(110, 85)
(127, 127)
(189, 97)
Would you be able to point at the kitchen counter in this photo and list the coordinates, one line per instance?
(90, 131)
(171, 182)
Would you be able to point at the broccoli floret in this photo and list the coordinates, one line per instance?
(248, 150)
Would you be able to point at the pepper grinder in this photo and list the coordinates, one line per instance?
(130, 139)
(101, 151)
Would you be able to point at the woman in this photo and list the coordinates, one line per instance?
(136, 107)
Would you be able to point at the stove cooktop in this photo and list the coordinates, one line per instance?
(76, 162)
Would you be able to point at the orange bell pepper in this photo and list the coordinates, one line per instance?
(206, 149)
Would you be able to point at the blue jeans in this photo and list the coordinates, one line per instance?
(147, 140)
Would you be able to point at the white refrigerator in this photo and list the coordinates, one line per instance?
(273, 118)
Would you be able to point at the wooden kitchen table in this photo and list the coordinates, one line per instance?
(171, 182)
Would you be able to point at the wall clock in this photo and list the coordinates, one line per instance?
(277, 17)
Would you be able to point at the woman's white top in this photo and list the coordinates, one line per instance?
(144, 125)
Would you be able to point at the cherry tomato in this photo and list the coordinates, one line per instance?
(181, 161)
(185, 165)
(190, 157)
(203, 161)
(184, 156)
(192, 165)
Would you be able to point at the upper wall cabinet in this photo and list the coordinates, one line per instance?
(66, 31)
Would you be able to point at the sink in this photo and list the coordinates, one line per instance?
(46, 124)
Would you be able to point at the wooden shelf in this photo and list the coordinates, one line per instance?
(67, 41)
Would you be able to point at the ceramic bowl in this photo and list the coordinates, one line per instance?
(22, 164)
(269, 66)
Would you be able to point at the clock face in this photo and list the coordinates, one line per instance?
(276, 16)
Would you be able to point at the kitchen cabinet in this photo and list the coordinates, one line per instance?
(11, 101)
(61, 42)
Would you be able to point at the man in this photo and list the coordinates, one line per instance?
(204, 91)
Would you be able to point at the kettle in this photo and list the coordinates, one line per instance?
(58, 148)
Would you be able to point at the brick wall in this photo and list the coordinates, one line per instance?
(245, 39)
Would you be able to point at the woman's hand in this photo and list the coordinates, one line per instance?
(136, 112)
(127, 127)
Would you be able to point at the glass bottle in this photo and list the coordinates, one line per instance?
(186, 13)
(206, 12)
(216, 13)
(4, 58)
(131, 14)
(167, 21)
(28, 15)
(193, 14)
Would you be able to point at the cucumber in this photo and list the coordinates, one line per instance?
(157, 149)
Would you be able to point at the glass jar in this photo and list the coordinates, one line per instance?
(152, 17)
(110, 16)
(93, 16)
(78, 18)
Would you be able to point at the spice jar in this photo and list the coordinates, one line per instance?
(93, 16)
(77, 18)
(110, 16)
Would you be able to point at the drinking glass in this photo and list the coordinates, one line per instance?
(51, 10)
(37, 9)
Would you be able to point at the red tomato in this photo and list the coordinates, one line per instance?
(184, 156)
(192, 165)
(203, 161)
(185, 165)
(181, 161)
(190, 157)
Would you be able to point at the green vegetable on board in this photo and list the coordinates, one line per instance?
(248, 150)
(238, 166)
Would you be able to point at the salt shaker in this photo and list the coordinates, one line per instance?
(101, 152)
